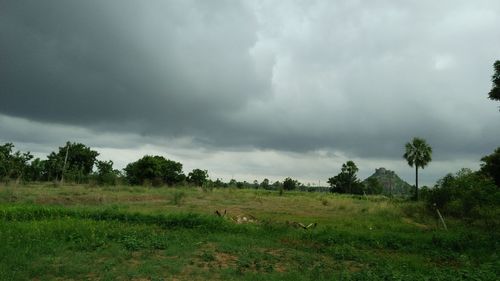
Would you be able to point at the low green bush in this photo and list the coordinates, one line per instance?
(466, 194)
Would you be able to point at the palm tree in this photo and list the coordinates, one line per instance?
(418, 153)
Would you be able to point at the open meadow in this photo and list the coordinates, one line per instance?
(137, 233)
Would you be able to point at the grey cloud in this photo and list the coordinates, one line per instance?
(158, 67)
(357, 77)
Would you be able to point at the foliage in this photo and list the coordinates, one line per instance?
(79, 164)
(198, 177)
(494, 93)
(277, 185)
(373, 186)
(105, 174)
(13, 165)
(36, 170)
(346, 181)
(491, 166)
(155, 169)
(418, 153)
(219, 183)
(265, 184)
(465, 194)
(290, 184)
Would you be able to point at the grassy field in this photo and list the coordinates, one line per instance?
(138, 233)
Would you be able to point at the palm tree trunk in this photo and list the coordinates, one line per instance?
(416, 183)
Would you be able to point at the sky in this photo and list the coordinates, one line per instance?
(253, 89)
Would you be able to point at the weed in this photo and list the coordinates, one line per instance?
(324, 201)
(177, 198)
(7, 195)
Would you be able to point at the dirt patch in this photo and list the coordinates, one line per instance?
(225, 260)
(353, 266)
(71, 200)
(414, 223)
(96, 199)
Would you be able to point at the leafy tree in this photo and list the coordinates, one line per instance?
(79, 163)
(418, 153)
(346, 181)
(277, 185)
(198, 177)
(494, 93)
(156, 169)
(219, 183)
(5, 159)
(36, 170)
(20, 164)
(290, 184)
(491, 166)
(265, 184)
(256, 184)
(373, 186)
(232, 182)
(13, 164)
(106, 175)
(466, 194)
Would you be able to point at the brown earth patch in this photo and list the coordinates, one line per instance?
(225, 260)
(414, 223)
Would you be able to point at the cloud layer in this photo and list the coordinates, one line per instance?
(270, 81)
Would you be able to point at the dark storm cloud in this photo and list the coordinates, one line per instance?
(361, 78)
(157, 68)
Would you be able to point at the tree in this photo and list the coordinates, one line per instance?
(105, 174)
(20, 164)
(418, 153)
(265, 184)
(5, 159)
(466, 194)
(491, 166)
(373, 186)
(232, 183)
(74, 161)
(256, 184)
(198, 177)
(156, 169)
(277, 185)
(346, 181)
(289, 184)
(13, 164)
(36, 170)
(494, 93)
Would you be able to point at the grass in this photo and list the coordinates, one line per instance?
(137, 233)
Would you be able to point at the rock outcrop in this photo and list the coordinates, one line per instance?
(391, 182)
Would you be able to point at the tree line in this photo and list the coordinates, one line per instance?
(77, 163)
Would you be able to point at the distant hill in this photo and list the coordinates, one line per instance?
(391, 182)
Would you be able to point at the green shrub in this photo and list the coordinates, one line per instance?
(466, 194)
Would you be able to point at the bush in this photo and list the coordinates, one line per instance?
(466, 194)
(155, 169)
(289, 184)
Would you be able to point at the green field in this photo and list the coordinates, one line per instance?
(138, 233)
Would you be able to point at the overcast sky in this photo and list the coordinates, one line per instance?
(253, 89)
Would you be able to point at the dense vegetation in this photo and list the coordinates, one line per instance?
(494, 93)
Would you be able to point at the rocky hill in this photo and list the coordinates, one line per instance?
(392, 184)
